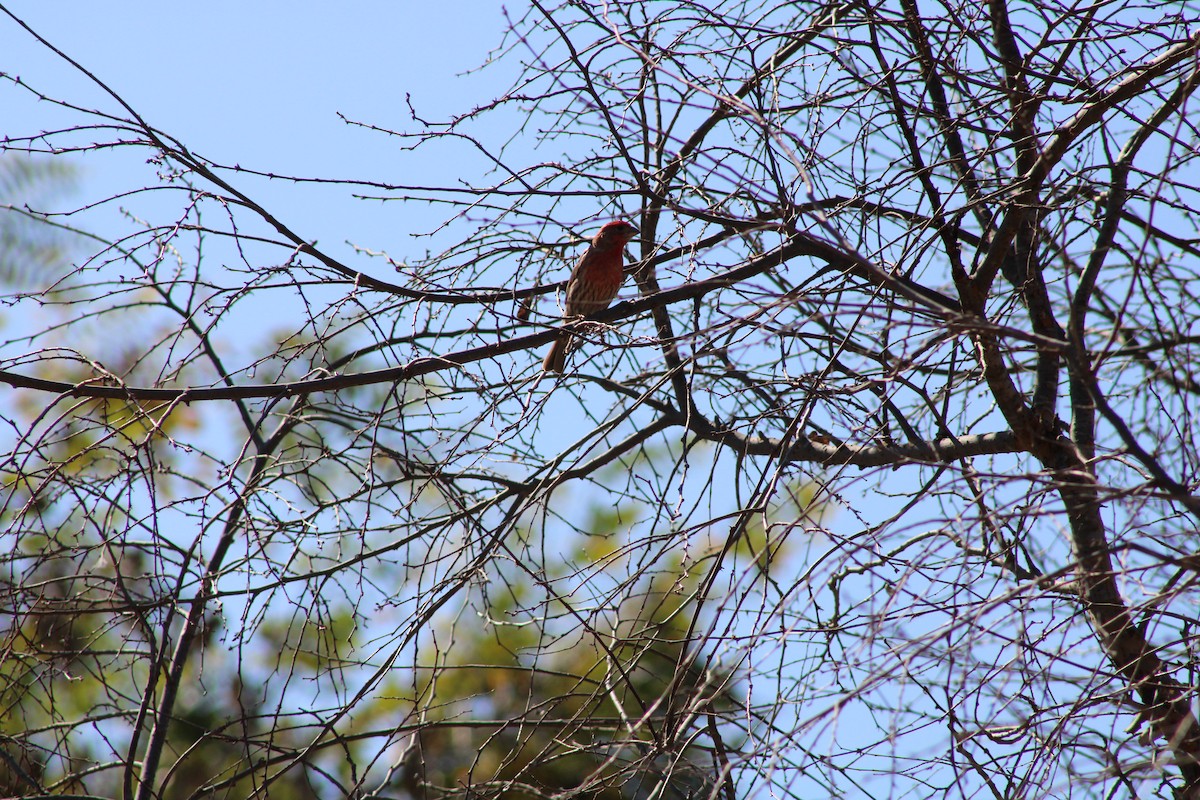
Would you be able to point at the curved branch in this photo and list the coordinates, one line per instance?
(800, 245)
(937, 451)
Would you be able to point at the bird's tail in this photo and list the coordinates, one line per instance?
(556, 359)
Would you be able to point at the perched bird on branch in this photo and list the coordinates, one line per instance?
(593, 284)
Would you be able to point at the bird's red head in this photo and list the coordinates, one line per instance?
(616, 231)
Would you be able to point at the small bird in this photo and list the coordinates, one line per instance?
(594, 283)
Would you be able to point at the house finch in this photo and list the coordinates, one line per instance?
(593, 284)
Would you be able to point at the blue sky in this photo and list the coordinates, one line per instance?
(262, 84)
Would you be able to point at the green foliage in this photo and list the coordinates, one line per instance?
(531, 705)
(33, 252)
